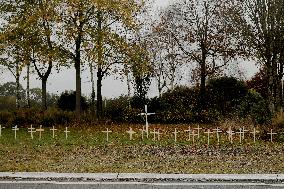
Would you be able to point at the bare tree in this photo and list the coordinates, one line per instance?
(261, 27)
(204, 35)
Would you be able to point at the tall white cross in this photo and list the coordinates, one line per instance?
(107, 132)
(241, 134)
(32, 131)
(146, 114)
(230, 133)
(15, 129)
(131, 133)
(198, 131)
(208, 136)
(66, 132)
(189, 132)
(254, 134)
(40, 130)
(53, 131)
(175, 133)
(271, 135)
(1, 130)
(218, 131)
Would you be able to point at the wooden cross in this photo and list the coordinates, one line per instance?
(175, 133)
(254, 134)
(158, 133)
(189, 132)
(66, 132)
(142, 132)
(244, 131)
(53, 131)
(208, 136)
(193, 134)
(40, 130)
(241, 132)
(32, 131)
(131, 133)
(230, 133)
(146, 114)
(155, 133)
(271, 135)
(1, 130)
(107, 132)
(218, 130)
(15, 129)
(198, 131)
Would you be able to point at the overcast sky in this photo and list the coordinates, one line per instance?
(65, 80)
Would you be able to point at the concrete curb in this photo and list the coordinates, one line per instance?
(141, 177)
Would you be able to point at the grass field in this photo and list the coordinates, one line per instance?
(86, 150)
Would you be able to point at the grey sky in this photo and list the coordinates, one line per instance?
(65, 80)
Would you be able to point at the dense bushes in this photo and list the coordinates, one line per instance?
(226, 97)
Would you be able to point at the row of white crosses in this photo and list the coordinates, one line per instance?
(33, 130)
(195, 132)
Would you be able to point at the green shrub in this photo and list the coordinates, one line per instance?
(67, 101)
(225, 94)
(254, 106)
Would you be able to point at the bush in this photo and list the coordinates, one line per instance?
(254, 106)
(225, 94)
(67, 101)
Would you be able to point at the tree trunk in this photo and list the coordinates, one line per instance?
(77, 60)
(202, 81)
(99, 93)
(93, 93)
(28, 86)
(100, 64)
(18, 98)
(43, 94)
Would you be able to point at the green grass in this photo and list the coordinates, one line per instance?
(86, 150)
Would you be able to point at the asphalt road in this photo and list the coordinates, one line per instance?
(131, 185)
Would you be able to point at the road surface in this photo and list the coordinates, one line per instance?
(131, 185)
(137, 181)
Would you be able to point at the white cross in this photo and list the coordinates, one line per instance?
(193, 134)
(158, 133)
(218, 130)
(244, 131)
(142, 132)
(208, 135)
(146, 114)
(40, 130)
(66, 132)
(271, 135)
(189, 132)
(53, 131)
(15, 129)
(107, 132)
(254, 133)
(230, 133)
(198, 131)
(241, 133)
(1, 130)
(32, 131)
(175, 133)
(154, 133)
(131, 133)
